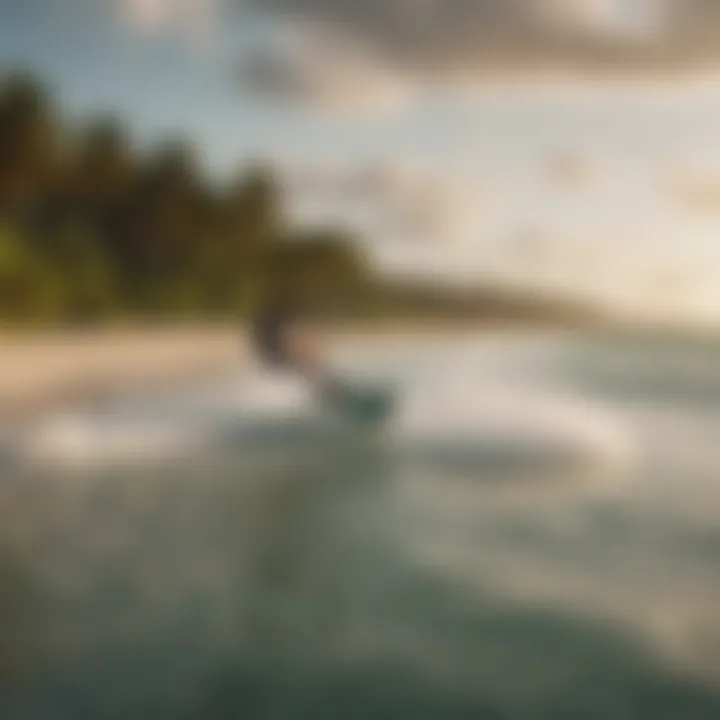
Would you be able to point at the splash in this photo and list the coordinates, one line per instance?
(452, 414)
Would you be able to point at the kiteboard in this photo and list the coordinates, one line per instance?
(360, 404)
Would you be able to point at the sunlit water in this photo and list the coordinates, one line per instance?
(535, 534)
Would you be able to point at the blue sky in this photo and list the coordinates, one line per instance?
(478, 144)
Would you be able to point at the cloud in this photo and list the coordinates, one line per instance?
(363, 47)
(377, 55)
(391, 203)
(435, 35)
(571, 169)
(308, 64)
(193, 20)
(621, 20)
(149, 15)
(695, 192)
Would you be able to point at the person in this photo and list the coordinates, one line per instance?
(284, 340)
(283, 337)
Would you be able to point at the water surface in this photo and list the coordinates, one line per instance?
(441, 570)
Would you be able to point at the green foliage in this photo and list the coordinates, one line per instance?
(92, 230)
(327, 260)
(30, 291)
(99, 230)
(28, 143)
(89, 285)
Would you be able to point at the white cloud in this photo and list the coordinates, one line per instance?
(395, 203)
(309, 66)
(149, 15)
(193, 20)
(616, 19)
(695, 192)
(571, 169)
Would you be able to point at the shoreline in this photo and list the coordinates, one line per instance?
(44, 371)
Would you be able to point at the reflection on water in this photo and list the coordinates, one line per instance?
(334, 585)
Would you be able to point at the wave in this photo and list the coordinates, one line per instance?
(496, 426)
(471, 427)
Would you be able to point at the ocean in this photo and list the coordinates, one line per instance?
(534, 533)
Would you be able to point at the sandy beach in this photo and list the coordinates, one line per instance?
(39, 372)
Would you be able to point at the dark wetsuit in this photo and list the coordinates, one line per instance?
(269, 329)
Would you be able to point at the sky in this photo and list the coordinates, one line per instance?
(570, 146)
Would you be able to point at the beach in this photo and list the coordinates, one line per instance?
(39, 372)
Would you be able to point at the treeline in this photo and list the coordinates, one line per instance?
(92, 229)
(483, 304)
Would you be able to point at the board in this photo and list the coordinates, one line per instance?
(370, 406)
(362, 404)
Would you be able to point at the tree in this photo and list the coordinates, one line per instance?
(90, 291)
(326, 265)
(101, 172)
(29, 289)
(165, 221)
(253, 218)
(28, 144)
(89, 227)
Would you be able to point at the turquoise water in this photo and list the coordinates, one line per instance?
(536, 535)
